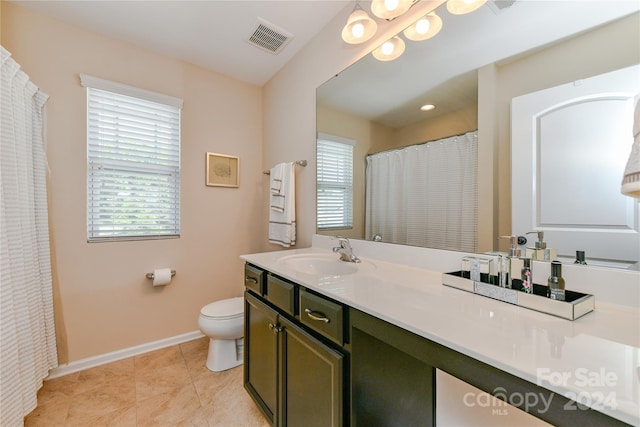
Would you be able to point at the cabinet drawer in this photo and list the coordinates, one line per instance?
(254, 279)
(281, 293)
(322, 315)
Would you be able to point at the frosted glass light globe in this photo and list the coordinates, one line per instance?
(422, 26)
(389, 9)
(357, 30)
(390, 4)
(387, 48)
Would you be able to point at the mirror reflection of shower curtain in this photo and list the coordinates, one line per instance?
(425, 195)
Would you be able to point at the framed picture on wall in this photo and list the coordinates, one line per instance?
(222, 170)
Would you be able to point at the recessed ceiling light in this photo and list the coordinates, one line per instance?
(427, 107)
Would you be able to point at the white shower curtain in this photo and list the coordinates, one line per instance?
(425, 195)
(27, 335)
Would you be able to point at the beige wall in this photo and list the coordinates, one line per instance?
(454, 123)
(103, 302)
(289, 104)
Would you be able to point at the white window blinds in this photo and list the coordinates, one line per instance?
(334, 183)
(133, 162)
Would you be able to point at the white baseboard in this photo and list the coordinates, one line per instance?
(91, 362)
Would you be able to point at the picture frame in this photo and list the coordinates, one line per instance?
(222, 170)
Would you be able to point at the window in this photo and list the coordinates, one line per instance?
(334, 182)
(133, 162)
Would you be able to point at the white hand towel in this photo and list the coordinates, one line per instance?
(276, 175)
(276, 196)
(282, 215)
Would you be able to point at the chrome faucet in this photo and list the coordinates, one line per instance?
(345, 251)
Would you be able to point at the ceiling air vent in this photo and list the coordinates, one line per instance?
(269, 37)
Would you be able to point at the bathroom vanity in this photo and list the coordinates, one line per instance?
(294, 367)
(334, 343)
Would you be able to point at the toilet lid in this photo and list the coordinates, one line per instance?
(223, 309)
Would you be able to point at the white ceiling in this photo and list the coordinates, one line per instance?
(212, 33)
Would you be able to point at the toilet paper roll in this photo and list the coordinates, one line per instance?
(161, 276)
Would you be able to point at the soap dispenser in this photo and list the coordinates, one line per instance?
(510, 264)
(540, 252)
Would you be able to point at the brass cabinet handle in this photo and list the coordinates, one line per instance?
(316, 315)
(250, 280)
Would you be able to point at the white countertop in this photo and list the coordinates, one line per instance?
(594, 359)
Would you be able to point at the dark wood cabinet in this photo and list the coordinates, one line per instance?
(295, 376)
(312, 380)
(254, 279)
(389, 386)
(261, 355)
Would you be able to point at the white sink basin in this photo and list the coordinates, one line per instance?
(323, 264)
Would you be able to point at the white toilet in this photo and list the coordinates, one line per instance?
(223, 322)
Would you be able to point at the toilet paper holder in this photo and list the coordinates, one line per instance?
(151, 275)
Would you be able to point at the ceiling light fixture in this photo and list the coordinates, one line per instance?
(424, 28)
(389, 9)
(460, 7)
(360, 27)
(427, 107)
(389, 50)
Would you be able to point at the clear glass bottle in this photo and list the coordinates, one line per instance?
(556, 282)
(504, 281)
(580, 258)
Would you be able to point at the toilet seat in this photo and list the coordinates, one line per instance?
(231, 308)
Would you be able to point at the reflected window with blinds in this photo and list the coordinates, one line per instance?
(133, 162)
(334, 182)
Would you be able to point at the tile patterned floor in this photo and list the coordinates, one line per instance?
(167, 387)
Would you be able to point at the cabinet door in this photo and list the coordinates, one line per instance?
(261, 355)
(391, 384)
(311, 380)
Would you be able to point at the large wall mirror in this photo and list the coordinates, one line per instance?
(471, 71)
